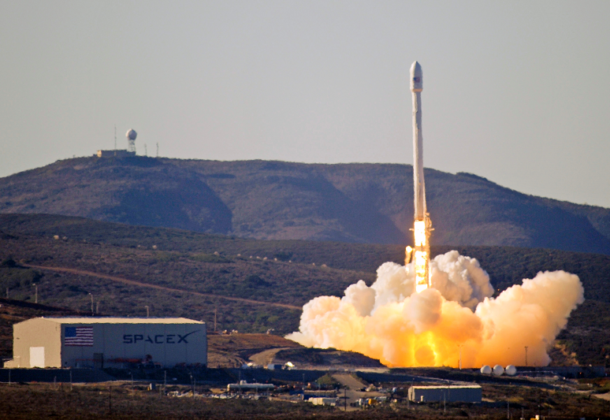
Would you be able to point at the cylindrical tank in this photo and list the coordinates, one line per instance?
(498, 370)
(511, 370)
(486, 370)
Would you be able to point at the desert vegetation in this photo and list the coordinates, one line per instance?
(244, 284)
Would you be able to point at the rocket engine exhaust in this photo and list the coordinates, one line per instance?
(441, 311)
(422, 224)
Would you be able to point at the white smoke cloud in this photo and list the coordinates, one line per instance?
(390, 322)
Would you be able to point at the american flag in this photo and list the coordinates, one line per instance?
(79, 336)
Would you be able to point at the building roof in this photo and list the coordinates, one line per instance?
(112, 320)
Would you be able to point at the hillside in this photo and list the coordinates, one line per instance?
(244, 284)
(361, 203)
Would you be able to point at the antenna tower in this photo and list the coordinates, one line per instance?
(131, 140)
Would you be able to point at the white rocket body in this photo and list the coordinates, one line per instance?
(418, 146)
(422, 225)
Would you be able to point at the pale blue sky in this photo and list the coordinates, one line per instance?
(515, 91)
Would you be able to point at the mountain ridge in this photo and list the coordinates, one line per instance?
(349, 202)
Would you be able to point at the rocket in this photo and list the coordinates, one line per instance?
(417, 86)
(422, 225)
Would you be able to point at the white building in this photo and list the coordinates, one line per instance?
(114, 153)
(447, 393)
(106, 342)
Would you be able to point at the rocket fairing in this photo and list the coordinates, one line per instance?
(422, 225)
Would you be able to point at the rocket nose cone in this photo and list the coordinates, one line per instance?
(417, 79)
(415, 68)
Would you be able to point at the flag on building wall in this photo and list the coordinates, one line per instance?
(78, 336)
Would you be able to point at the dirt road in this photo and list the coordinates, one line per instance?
(266, 357)
(348, 380)
(154, 286)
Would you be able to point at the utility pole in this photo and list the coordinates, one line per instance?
(36, 293)
(147, 311)
(157, 149)
(92, 312)
(97, 307)
(526, 355)
(460, 357)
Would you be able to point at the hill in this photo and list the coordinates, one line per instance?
(244, 284)
(361, 203)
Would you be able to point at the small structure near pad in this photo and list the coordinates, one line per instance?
(446, 393)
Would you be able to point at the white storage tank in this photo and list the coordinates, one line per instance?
(511, 370)
(498, 370)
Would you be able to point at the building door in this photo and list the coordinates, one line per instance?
(37, 357)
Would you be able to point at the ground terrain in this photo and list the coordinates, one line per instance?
(123, 400)
(248, 285)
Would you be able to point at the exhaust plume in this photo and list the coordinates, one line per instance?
(390, 322)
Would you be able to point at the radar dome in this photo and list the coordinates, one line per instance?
(486, 370)
(511, 370)
(498, 370)
(131, 134)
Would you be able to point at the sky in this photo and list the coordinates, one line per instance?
(516, 92)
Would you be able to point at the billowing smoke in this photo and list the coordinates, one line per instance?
(390, 322)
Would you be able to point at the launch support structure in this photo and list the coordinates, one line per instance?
(422, 225)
